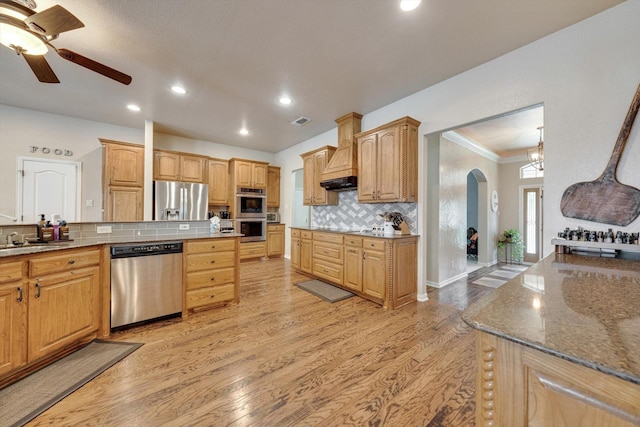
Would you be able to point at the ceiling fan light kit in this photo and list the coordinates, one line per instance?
(29, 33)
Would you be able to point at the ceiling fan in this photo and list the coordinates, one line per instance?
(30, 33)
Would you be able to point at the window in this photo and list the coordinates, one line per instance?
(530, 171)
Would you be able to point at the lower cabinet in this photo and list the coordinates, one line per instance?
(211, 272)
(275, 240)
(519, 385)
(383, 270)
(48, 303)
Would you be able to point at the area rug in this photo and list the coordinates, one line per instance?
(324, 290)
(24, 400)
(499, 277)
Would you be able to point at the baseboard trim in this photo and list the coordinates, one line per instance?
(447, 281)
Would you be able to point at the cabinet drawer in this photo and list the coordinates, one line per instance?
(306, 234)
(328, 251)
(67, 260)
(208, 278)
(375, 244)
(209, 261)
(210, 245)
(252, 250)
(355, 242)
(295, 232)
(210, 295)
(328, 237)
(10, 271)
(328, 271)
(275, 227)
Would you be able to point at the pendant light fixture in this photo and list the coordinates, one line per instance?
(535, 155)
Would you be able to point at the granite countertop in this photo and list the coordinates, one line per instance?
(107, 240)
(367, 233)
(581, 308)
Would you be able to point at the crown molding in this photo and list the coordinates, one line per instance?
(470, 145)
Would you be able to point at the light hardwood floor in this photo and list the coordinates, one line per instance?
(284, 357)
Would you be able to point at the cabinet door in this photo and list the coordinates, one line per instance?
(308, 184)
(166, 166)
(273, 187)
(192, 169)
(353, 268)
(218, 182)
(295, 252)
(13, 326)
(373, 274)
(367, 155)
(389, 165)
(125, 204)
(125, 165)
(259, 176)
(305, 255)
(62, 309)
(275, 243)
(320, 162)
(244, 173)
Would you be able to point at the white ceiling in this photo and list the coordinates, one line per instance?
(236, 57)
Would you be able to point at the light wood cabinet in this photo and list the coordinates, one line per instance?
(64, 300)
(519, 385)
(273, 187)
(388, 162)
(174, 166)
(275, 240)
(211, 275)
(122, 181)
(380, 269)
(250, 250)
(13, 316)
(218, 182)
(249, 173)
(314, 163)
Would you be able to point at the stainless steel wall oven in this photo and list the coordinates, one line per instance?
(251, 203)
(254, 229)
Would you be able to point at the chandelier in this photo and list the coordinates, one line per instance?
(535, 155)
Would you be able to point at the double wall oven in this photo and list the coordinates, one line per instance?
(251, 214)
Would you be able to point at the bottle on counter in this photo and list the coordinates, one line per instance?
(40, 226)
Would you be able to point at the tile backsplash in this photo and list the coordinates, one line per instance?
(351, 215)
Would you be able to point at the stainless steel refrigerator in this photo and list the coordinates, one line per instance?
(179, 201)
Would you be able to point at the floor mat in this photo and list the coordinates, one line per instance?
(324, 290)
(24, 400)
(499, 277)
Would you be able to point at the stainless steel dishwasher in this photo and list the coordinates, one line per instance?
(146, 282)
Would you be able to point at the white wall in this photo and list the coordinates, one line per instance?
(585, 75)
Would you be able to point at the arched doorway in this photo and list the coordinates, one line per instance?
(477, 216)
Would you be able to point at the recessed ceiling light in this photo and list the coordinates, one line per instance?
(243, 131)
(133, 107)
(408, 5)
(284, 100)
(179, 89)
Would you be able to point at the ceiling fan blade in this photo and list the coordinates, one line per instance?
(41, 68)
(94, 66)
(52, 21)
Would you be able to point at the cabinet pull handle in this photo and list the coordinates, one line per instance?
(373, 194)
(213, 279)
(364, 255)
(378, 194)
(213, 295)
(71, 261)
(213, 247)
(19, 299)
(37, 295)
(213, 262)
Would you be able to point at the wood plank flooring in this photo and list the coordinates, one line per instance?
(284, 357)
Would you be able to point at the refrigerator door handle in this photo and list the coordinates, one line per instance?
(183, 203)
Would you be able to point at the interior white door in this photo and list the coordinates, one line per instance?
(49, 187)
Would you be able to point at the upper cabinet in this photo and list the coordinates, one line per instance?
(273, 187)
(218, 182)
(388, 162)
(249, 174)
(173, 166)
(122, 181)
(314, 164)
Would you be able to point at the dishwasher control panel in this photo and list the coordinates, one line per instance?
(123, 251)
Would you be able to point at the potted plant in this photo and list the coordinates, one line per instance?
(512, 236)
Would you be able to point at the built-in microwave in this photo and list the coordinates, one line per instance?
(273, 217)
(254, 230)
(251, 203)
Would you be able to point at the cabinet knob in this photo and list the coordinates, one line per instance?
(71, 261)
(213, 262)
(213, 279)
(213, 295)
(213, 247)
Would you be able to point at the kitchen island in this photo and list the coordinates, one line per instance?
(560, 345)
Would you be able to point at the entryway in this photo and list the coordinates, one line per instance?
(531, 217)
(476, 227)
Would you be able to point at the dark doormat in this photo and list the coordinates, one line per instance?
(24, 400)
(324, 290)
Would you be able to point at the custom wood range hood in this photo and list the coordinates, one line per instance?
(341, 173)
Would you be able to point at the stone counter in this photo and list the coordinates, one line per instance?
(359, 233)
(580, 308)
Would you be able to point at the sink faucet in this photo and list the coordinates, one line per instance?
(9, 238)
(12, 218)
